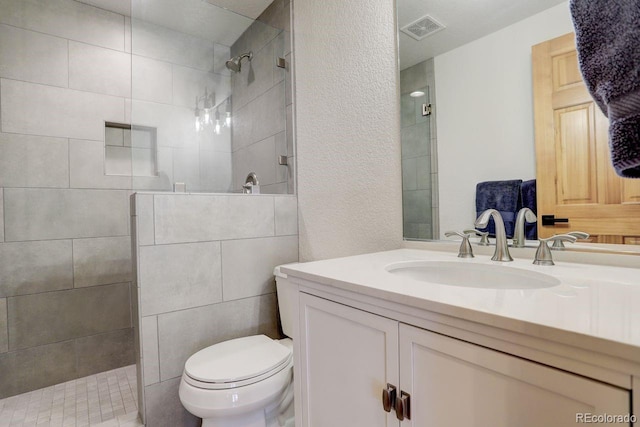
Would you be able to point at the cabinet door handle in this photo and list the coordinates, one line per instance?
(389, 397)
(403, 406)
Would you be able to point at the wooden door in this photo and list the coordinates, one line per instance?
(455, 383)
(575, 178)
(347, 357)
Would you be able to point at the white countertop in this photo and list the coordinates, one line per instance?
(591, 302)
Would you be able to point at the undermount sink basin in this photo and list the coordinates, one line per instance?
(487, 276)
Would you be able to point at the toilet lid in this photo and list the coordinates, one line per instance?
(237, 360)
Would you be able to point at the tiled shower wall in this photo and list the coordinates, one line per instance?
(419, 153)
(262, 103)
(203, 276)
(66, 68)
(65, 267)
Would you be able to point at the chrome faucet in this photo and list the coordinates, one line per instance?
(251, 184)
(543, 254)
(524, 215)
(484, 236)
(559, 246)
(465, 250)
(502, 251)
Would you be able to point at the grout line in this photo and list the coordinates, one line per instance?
(158, 340)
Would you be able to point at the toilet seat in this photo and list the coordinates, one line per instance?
(236, 363)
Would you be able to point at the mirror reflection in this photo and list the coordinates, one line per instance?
(484, 123)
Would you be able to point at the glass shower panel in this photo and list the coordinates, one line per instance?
(416, 165)
(213, 124)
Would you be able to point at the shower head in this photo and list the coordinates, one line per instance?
(235, 63)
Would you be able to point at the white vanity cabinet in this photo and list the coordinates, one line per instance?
(348, 356)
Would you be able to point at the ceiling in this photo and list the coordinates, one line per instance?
(465, 21)
(221, 21)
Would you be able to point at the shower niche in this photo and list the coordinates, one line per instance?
(130, 150)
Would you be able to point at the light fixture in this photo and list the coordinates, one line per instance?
(416, 94)
(217, 127)
(203, 115)
(227, 119)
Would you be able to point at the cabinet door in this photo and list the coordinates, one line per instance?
(455, 383)
(347, 357)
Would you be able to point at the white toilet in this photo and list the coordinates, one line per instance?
(245, 382)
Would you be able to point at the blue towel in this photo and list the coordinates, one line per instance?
(608, 45)
(528, 190)
(503, 196)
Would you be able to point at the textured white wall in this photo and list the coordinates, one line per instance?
(348, 127)
(485, 112)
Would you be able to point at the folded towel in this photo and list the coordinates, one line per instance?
(608, 45)
(503, 196)
(528, 189)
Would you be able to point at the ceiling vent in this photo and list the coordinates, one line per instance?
(422, 28)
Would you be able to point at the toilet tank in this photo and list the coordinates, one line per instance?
(287, 300)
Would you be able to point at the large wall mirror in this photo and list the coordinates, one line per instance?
(469, 100)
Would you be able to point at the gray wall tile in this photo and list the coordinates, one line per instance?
(101, 261)
(4, 332)
(260, 158)
(413, 78)
(87, 167)
(173, 277)
(409, 174)
(151, 80)
(96, 69)
(38, 367)
(286, 215)
(186, 167)
(35, 110)
(33, 57)
(247, 264)
(278, 188)
(181, 218)
(104, 352)
(260, 119)
(291, 149)
(163, 407)
(189, 83)
(221, 54)
(1, 214)
(149, 332)
(30, 267)
(56, 316)
(33, 161)
(182, 333)
(37, 214)
(144, 212)
(215, 171)
(172, 46)
(68, 19)
(174, 124)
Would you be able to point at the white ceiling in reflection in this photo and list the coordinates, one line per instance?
(465, 21)
(221, 21)
(249, 8)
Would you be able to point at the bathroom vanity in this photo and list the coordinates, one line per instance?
(401, 338)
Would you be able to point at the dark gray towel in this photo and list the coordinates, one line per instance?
(608, 44)
(503, 196)
(528, 189)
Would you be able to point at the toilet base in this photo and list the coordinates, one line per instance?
(278, 414)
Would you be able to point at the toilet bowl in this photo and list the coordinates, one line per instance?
(244, 382)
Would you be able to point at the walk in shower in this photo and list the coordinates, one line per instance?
(419, 152)
(100, 99)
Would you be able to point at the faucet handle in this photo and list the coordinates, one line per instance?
(559, 246)
(465, 250)
(543, 254)
(484, 236)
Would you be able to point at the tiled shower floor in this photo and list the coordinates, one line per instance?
(107, 399)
